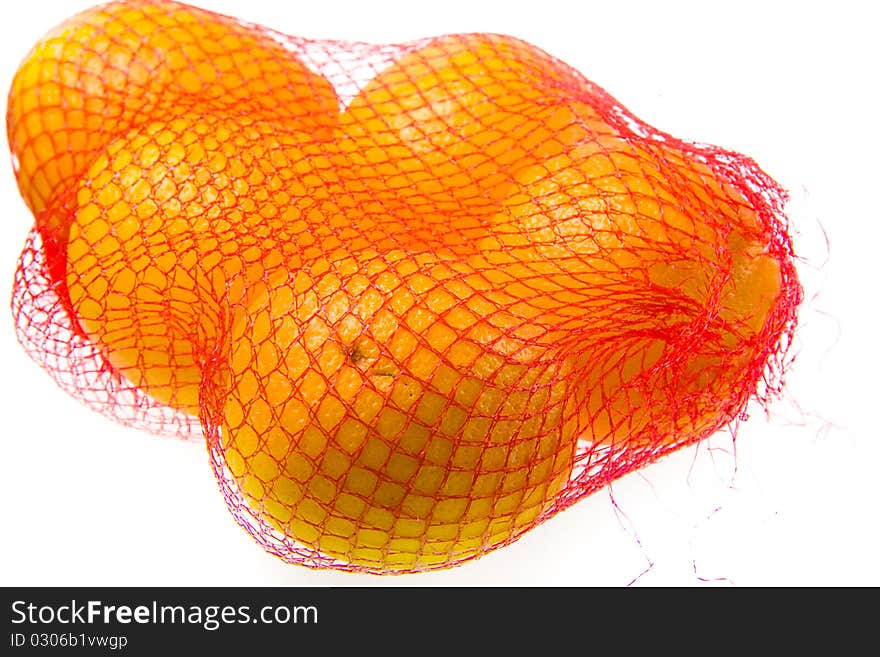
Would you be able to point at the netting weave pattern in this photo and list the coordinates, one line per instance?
(416, 298)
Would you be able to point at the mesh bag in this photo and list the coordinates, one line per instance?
(416, 298)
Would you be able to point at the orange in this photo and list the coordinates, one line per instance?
(175, 222)
(116, 66)
(436, 133)
(680, 283)
(382, 410)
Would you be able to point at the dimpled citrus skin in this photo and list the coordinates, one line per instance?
(440, 128)
(115, 66)
(174, 224)
(396, 421)
(604, 210)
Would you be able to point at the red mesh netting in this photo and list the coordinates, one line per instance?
(418, 298)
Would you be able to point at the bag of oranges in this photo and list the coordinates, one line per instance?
(415, 308)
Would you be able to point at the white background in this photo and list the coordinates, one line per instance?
(793, 85)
